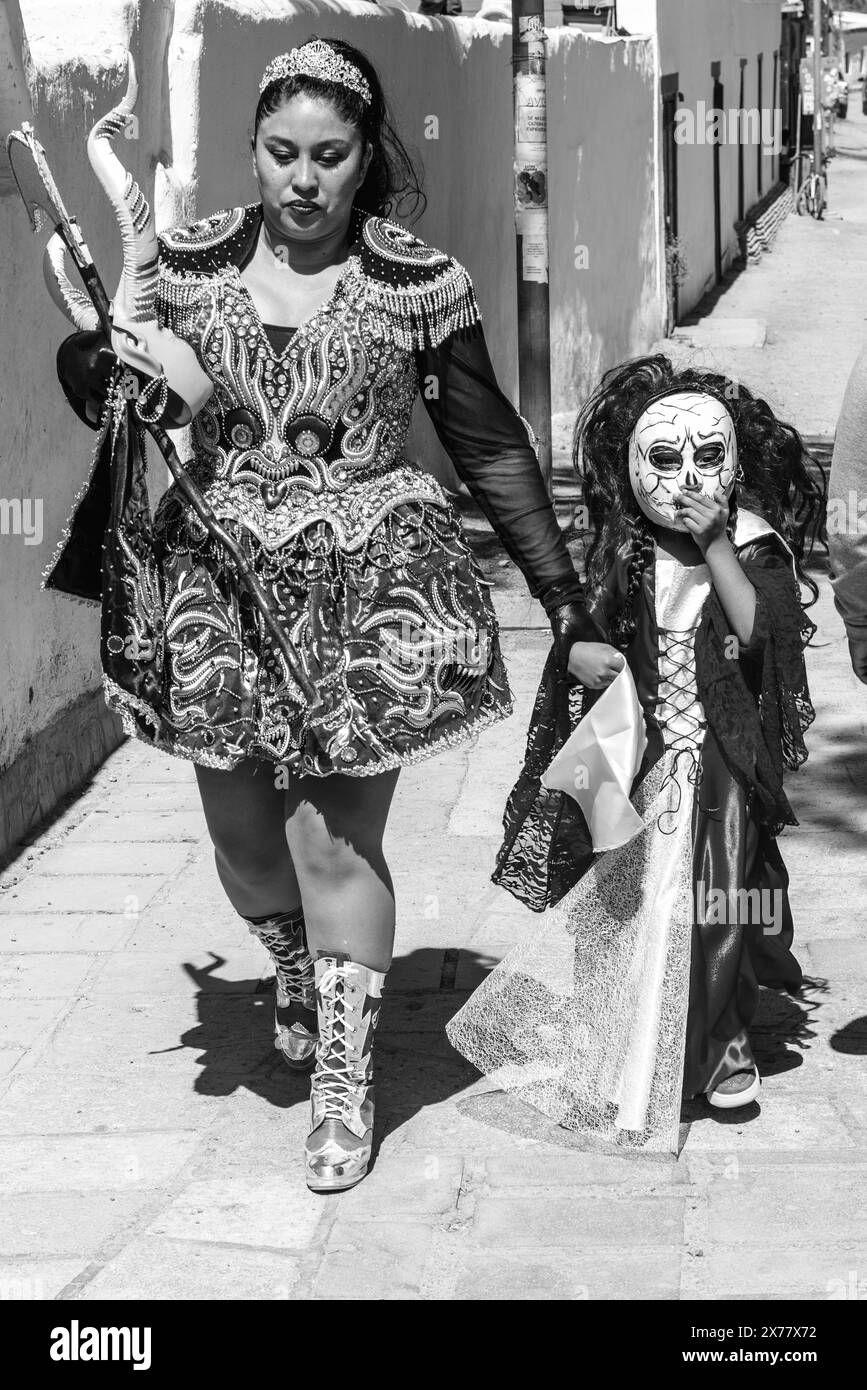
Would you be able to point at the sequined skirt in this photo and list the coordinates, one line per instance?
(395, 645)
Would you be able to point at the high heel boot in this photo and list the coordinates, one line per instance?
(348, 997)
(295, 1028)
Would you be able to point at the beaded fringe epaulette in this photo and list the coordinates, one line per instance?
(425, 294)
(213, 242)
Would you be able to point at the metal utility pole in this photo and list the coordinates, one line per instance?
(531, 222)
(818, 88)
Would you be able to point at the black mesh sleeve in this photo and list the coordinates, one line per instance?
(490, 448)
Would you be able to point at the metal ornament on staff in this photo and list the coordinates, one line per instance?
(531, 223)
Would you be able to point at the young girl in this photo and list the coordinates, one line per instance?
(644, 980)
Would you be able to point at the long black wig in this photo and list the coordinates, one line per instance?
(773, 478)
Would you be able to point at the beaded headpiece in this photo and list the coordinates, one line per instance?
(316, 59)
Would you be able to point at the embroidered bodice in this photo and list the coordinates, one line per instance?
(312, 430)
(318, 430)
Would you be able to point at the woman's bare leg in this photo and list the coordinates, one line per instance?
(334, 827)
(245, 818)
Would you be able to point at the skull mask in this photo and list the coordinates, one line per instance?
(685, 441)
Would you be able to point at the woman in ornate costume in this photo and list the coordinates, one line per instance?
(644, 979)
(314, 318)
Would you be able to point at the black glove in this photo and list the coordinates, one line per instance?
(85, 363)
(571, 623)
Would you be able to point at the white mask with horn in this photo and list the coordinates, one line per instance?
(137, 337)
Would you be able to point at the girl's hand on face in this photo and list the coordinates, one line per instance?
(595, 664)
(704, 517)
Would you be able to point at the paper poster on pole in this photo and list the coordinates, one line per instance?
(531, 28)
(531, 33)
(532, 227)
(531, 122)
(806, 76)
(531, 176)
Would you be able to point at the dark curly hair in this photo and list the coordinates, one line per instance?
(776, 482)
(392, 186)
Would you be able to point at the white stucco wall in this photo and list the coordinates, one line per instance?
(51, 644)
(602, 103)
(691, 35)
(199, 63)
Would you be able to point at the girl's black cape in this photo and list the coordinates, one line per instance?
(756, 703)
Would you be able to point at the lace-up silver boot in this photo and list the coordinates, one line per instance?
(295, 1029)
(338, 1146)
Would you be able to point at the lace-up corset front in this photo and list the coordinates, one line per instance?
(680, 595)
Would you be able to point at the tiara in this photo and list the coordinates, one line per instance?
(316, 59)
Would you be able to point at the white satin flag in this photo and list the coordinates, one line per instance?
(597, 764)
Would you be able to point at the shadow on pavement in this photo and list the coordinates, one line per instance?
(840, 777)
(783, 1030)
(851, 1038)
(416, 1066)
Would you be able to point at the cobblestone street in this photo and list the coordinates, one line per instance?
(152, 1139)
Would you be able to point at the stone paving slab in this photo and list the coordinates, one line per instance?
(154, 768)
(68, 1224)
(229, 1032)
(779, 1123)
(238, 970)
(56, 1097)
(125, 893)
(520, 1172)
(728, 332)
(765, 1206)
(191, 934)
(129, 858)
(269, 1213)
(159, 826)
(554, 1217)
(93, 1162)
(62, 932)
(24, 1022)
(160, 797)
(10, 1058)
(37, 1278)
(46, 976)
(575, 1275)
(804, 1271)
(362, 1255)
(155, 1267)
(411, 1184)
(834, 957)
